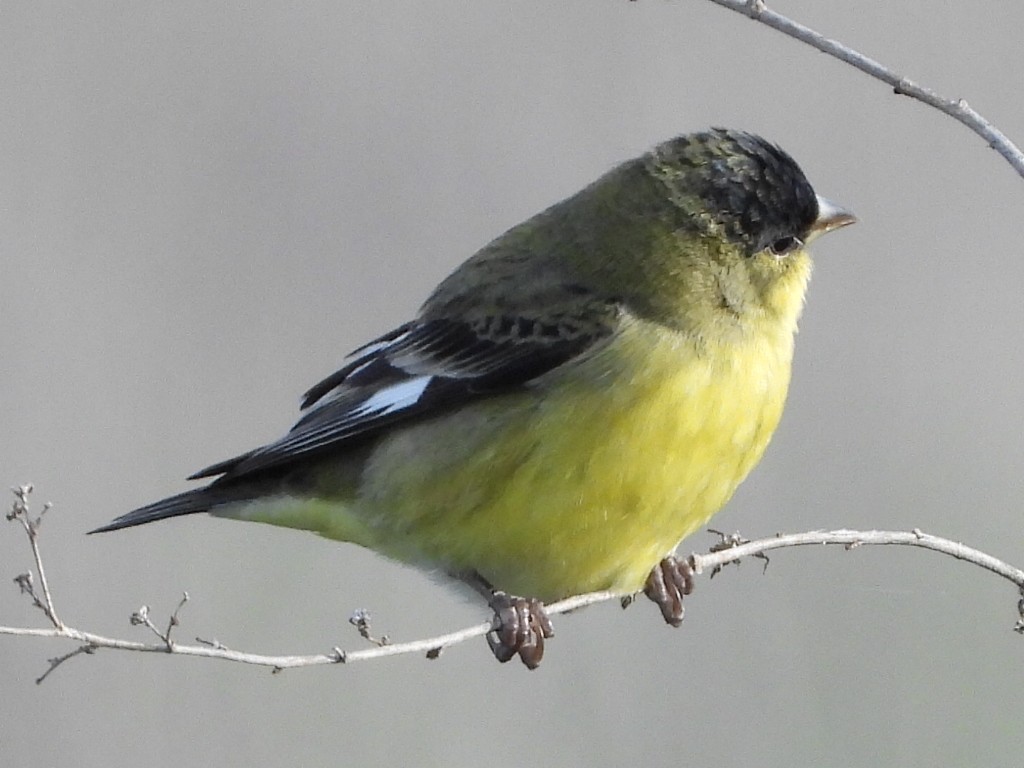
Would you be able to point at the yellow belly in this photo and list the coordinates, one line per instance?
(584, 485)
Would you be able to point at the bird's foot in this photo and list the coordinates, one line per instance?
(521, 627)
(668, 582)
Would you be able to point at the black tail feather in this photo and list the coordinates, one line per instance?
(187, 503)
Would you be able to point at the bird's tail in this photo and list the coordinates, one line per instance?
(187, 503)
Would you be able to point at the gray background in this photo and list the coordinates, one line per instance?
(204, 206)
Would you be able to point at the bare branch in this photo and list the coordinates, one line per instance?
(728, 551)
(958, 109)
(853, 539)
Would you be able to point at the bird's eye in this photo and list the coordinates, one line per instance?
(785, 245)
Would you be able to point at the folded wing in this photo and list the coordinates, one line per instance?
(422, 369)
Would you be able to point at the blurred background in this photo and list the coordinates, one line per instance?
(204, 206)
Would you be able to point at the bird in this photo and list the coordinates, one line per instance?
(572, 402)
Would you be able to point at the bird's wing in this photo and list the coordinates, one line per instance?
(424, 368)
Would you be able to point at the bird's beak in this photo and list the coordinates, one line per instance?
(830, 216)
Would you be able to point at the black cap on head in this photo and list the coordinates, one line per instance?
(753, 190)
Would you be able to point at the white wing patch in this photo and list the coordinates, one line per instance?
(396, 397)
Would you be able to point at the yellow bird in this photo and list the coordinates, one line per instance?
(573, 401)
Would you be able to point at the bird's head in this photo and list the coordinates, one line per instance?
(747, 215)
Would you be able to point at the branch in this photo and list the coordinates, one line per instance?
(958, 109)
(729, 550)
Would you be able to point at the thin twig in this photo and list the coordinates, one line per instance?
(21, 512)
(141, 618)
(55, 662)
(958, 109)
(360, 619)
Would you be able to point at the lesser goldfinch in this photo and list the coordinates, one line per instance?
(571, 402)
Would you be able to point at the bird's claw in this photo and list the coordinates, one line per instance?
(521, 627)
(668, 582)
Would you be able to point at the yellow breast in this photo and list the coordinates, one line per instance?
(588, 483)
